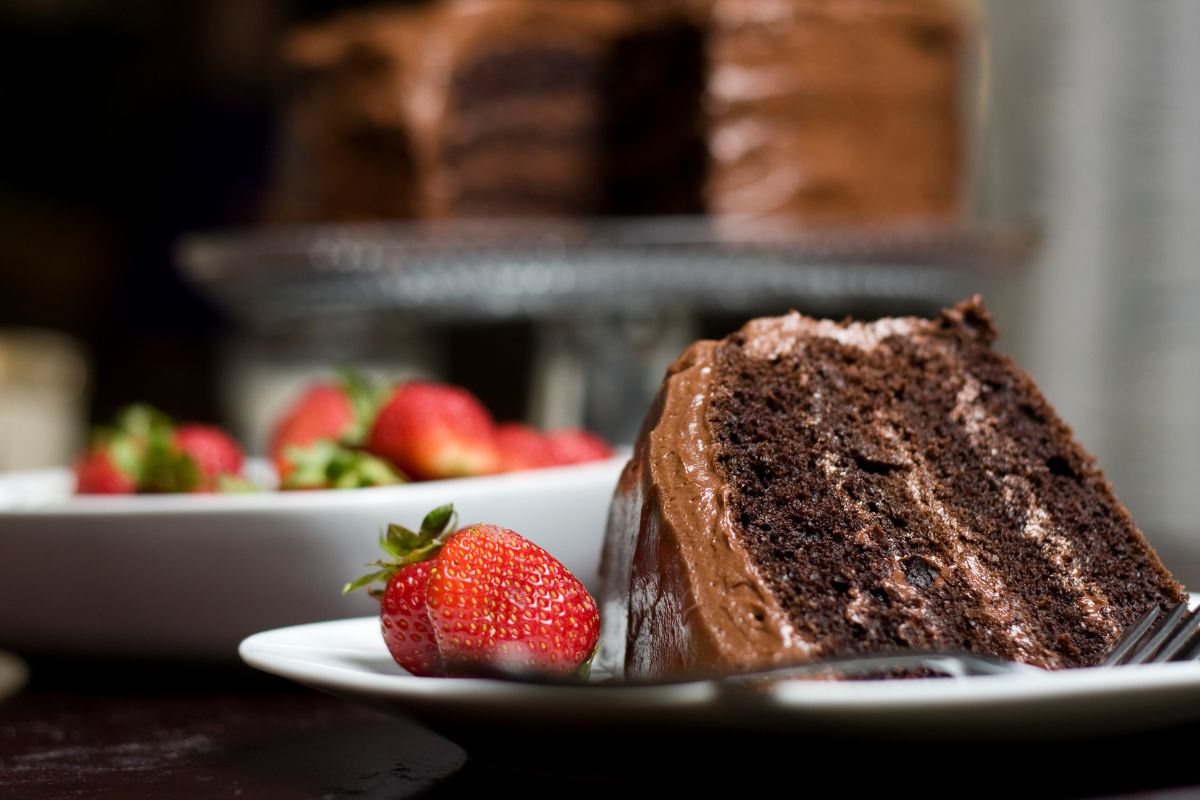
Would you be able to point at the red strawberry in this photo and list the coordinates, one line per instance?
(116, 460)
(522, 447)
(571, 446)
(483, 598)
(214, 452)
(144, 451)
(337, 413)
(433, 431)
(404, 616)
(97, 473)
(322, 412)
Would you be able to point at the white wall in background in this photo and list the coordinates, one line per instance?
(1094, 127)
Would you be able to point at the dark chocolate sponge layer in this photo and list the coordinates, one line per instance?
(867, 480)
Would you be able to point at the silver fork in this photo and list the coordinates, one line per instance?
(951, 664)
(1154, 638)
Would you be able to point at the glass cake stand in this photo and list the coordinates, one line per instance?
(558, 269)
(614, 301)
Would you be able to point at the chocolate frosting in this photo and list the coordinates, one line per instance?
(695, 597)
(834, 112)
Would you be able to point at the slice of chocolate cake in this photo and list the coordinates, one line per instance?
(806, 489)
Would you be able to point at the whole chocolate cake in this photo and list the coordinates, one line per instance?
(806, 489)
(800, 112)
(484, 108)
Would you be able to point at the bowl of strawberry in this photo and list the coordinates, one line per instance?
(156, 516)
(343, 434)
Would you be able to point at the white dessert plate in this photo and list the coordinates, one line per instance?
(347, 658)
(179, 576)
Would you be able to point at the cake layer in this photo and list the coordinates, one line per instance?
(807, 489)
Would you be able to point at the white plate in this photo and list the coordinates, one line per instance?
(347, 658)
(189, 576)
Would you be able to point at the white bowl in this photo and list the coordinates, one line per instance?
(189, 576)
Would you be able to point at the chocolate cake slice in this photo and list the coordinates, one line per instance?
(806, 489)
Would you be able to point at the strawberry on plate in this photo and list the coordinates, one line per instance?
(481, 599)
(432, 431)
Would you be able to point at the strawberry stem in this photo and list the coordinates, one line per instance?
(141, 443)
(326, 464)
(406, 546)
(365, 397)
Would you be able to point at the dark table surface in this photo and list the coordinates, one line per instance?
(132, 729)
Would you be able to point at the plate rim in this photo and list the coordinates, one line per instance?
(852, 697)
(273, 501)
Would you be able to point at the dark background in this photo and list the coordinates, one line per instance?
(128, 123)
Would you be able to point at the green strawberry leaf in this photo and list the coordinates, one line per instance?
(409, 547)
(167, 469)
(366, 580)
(126, 454)
(309, 466)
(397, 541)
(405, 546)
(236, 484)
(144, 421)
(142, 445)
(136, 443)
(328, 464)
(368, 470)
(436, 521)
(584, 670)
(365, 396)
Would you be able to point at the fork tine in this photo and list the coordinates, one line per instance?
(1130, 638)
(1191, 649)
(951, 664)
(1182, 637)
(1158, 634)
